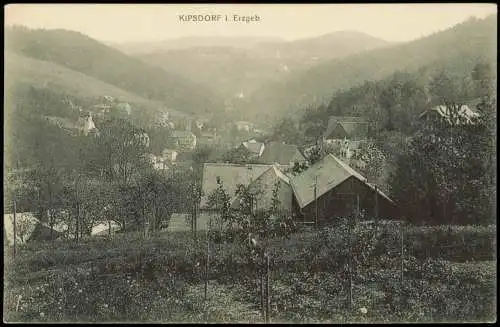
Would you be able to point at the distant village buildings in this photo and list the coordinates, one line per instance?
(244, 126)
(182, 140)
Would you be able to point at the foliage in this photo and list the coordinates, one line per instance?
(374, 161)
(239, 155)
(446, 168)
(287, 131)
(166, 272)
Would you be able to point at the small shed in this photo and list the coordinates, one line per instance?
(105, 228)
(28, 228)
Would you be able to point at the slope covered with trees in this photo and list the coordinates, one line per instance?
(78, 52)
(232, 69)
(456, 50)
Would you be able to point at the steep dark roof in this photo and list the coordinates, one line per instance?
(283, 154)
(329, 173)
(253, 147)
(351, 125)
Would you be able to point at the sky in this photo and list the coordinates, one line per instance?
(134, 23)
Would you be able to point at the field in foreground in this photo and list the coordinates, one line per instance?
(161, 280)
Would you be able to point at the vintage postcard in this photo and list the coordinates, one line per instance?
(256, 163)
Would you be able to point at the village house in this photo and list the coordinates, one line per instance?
(124, 106)
(254, 147)
(103, 109)
(462, 115)
(169, 155)
(163, 120)
(159, 162)
(183, 140)
(86, 124)
(264, 186)
(330, 189)
(208, 138)
(349, 148)
(343, 127)
(282, 154)
(344, 135)
(244, 126)
(260, 179)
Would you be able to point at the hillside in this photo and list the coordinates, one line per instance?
(456, 49)
(20, 70)
(227, 70)
(78, 52)
(235, 69)
(192, 42)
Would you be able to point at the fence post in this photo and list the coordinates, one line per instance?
(350, 295)
(402, 254)
(261, 278)
(14, 219)
(206, 267)
(268, 285)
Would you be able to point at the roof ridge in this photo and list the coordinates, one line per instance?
(349, 169)
(234, 164)
(280, 174)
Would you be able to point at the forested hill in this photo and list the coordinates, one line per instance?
(457, 50)
(234, 68)
(80, 53)
(394, 103)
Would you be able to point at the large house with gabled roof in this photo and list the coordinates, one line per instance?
(261, 179)
(330, 189)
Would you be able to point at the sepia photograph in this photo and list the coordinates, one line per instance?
(250, 163)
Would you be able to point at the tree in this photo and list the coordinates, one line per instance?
(483, 77)
(287, 131)
(239, 155)
(316, 154)
(374, 161)
(444, 90)
(120, 152)
(48, 181)
(313, 122)
(220, 201)
(444, 174)
(158, 204)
